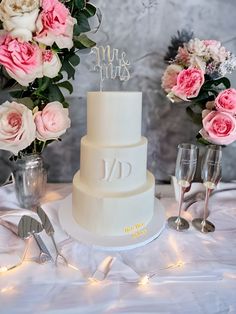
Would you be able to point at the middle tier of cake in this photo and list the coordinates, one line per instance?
(113, 169)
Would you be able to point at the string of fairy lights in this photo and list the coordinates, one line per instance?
(101, 272)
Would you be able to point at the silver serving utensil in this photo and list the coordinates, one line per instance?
(29, 227)
(48, 227)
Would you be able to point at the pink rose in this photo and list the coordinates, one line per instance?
(169, 78)
(211, 43)
(22, 60)
(55, 24)
(226, 101)
(219, 128)
(52, 121)
(189, 83)
(17, 128)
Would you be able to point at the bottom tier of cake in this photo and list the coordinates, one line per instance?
(112, 214)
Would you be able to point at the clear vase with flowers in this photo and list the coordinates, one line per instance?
(39, 44)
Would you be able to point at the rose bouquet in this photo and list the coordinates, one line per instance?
(39, 41)
(196, 74)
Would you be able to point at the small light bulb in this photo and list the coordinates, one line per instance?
(144, 280)
(7, 289)
(73, 267)
(3, 269)
(93, 280)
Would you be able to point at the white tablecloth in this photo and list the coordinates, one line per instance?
(192, 272)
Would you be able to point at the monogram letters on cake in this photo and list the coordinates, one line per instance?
(113, 188)
(116, 170)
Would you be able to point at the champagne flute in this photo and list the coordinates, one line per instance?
(211, 175)
(185, 169)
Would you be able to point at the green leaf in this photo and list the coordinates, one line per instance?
(55, 93)
(197, 106)
(212, 91)
(27, 102)
(9, 83)
(203, 96)
(77, 30)
(222, 80)
(83, 41)
(69, 69)
(58, 78)
(196, 117)
(201, 140)
(44, 83)
(74, 60)
(83, 24)
(17, 93)
(65, 104)
(90, 10)
(80, 4)
(67, 85)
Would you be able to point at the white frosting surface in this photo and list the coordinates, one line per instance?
(111, 214)
(114, 118)
(113, 191)
(113, 168)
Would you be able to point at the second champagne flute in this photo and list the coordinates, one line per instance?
(185, 169)
(211, 175)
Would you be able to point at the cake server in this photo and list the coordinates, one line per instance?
(48, 227)
(29, 227)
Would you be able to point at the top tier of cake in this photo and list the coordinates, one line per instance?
(114, 118)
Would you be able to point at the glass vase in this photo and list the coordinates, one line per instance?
(30, 179)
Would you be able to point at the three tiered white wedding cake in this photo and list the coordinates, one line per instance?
(113, 190)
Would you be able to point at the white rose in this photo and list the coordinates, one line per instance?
(19, 17)
(218, 54)
(51, 64)
(22, 27)
(197, 47)
(198, 62)
(17, 7)
(17, 127)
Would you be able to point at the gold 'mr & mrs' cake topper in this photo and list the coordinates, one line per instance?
(111, 64)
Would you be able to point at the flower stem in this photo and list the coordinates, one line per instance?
(35, 147)
(44, 144)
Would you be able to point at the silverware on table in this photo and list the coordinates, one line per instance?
(29, 227)
(48, 227)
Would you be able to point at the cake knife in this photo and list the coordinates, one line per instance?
(48, 227)
(28, 227)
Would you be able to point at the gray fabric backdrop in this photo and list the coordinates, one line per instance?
(143, 28)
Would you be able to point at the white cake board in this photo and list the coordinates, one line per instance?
(111, 243)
